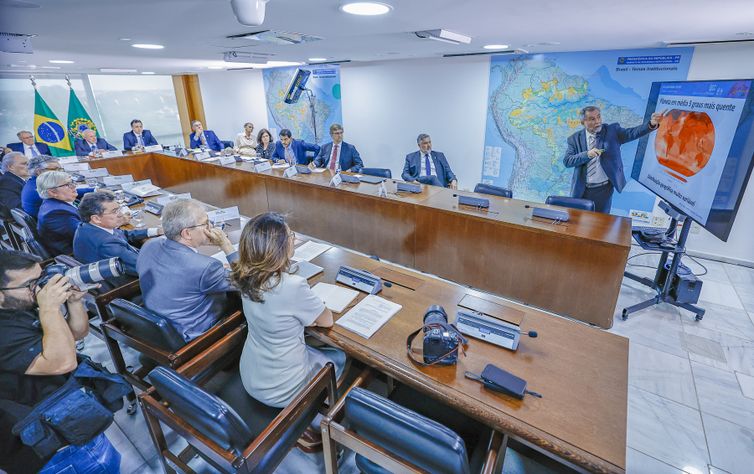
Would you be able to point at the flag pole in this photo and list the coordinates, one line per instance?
(33, 82)
(68, 81)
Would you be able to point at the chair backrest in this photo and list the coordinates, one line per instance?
(572, 202)
(146, 325)
(205, 412)
(494, 190)
(381, 172)
(28, 234)
(423, 442)
(227, 143)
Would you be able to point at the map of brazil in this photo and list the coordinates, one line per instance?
(533, 107)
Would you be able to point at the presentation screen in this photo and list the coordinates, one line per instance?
(700, 158)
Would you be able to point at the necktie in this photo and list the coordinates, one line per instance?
(427, 165)
(139, 141)
(334, 158)
(34, 151)
(289, 155)
(591, 169)
(94, 147)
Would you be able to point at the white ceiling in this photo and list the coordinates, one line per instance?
(193, 31)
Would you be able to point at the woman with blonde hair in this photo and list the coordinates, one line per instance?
(276, 363)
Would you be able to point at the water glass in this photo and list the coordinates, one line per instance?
(137, 218)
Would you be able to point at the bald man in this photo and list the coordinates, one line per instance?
(90, 145)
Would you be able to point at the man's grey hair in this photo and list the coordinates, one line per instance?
(179, 215)
(49, 180)
(21, 132)
(38, 164)
(588, 108)
(194, 122)
(10, 160)
(421, 137)
(85, 132)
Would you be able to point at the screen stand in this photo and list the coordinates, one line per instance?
(310, 95)
(663, 280)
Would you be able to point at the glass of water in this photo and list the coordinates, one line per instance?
(92, 183)
(137, 218)
(120, 196)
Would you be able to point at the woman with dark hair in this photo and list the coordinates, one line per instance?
(265, 145)
(276, 363)
(244, 143)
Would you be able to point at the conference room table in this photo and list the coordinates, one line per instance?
(581, 371)
(572, 268)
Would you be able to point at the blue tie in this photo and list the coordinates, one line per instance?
(34, 151)
(426, 163)
(94, 147)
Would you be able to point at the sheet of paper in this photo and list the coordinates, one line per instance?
(280, 165)
(309, 250)
(319, 170)
(369, 315)
(222, 257)
(65, 160)
(336, 297)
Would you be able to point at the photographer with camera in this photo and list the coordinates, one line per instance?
(37, 354)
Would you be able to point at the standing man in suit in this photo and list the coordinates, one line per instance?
(594, 153)
(204, 138)
(339, 155)
(28, 146)
(15, 166)
(179, 283)
(90, 145)
(427, 166)
(292, 151)
(58, 217)
(138, 137)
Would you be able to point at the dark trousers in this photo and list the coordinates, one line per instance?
(602, 197)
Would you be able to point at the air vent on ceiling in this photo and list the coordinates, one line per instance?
(694, 43)
(276, 37)
(487, 53)
(15, 43)
(443, 35)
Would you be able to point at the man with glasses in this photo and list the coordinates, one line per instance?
(28, 146)
(58, 218)
(99, 237)
(15, 168)
(176, 280)
(90, 145)
(37, 353)
(339, 155)
(292, 151)
(30, 198)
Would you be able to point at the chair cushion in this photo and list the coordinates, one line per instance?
(494, 190)
(146, 325)
(382, 172)
(413, 437)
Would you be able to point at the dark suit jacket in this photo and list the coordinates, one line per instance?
(19, 147)
(412, 169)
(31, 200)
(350, 160)
(57, 224)
(213, 142)
(83, 148)
(129, 139)
(90, 244)
(265, 153)
(10, 190)
(611, 137)
(299, 147)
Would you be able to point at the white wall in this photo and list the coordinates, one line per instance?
(387, 104)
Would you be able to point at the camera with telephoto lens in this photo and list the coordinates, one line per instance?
(441, 339)
(84, 277)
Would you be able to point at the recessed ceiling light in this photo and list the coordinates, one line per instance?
(115, 69)
(147, 46)
(317, 60)
(147, 72)
(125, 39)
(496, 46)
(366, 8)
(60, 61)
(215, 67)
(50, 67)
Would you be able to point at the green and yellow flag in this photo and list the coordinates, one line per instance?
(78, 119)
(48, 128)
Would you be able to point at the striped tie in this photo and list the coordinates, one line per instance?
(591, 169)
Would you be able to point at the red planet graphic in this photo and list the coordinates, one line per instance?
(684, 142)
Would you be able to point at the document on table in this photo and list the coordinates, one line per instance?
(281, 165)
(369, 315)
(336, 297)
(309, 250)
(222, 257)
(319, 170)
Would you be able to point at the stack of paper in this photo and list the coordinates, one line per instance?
(369, 315)
(309, 250)
(336, 297)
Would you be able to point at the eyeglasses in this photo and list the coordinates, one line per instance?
(113, 212)
(208, 224)
(69, 185)
(30, 285)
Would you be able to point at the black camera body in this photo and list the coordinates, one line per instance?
(441, 339)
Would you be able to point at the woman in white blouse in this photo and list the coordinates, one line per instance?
(246, 143)
(276, 363)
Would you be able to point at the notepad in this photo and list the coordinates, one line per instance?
(336, 297)
(369, 315)
(309, 250)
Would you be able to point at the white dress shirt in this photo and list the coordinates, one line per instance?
(27, 150)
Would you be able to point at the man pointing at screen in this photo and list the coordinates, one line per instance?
(594, 152)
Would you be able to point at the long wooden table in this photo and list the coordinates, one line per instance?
(573, 269)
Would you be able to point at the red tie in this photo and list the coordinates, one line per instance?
(334, 158)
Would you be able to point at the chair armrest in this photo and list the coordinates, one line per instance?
(204, 341)
(112, 331)
(127, 291)
(220, 348)
(493, 453)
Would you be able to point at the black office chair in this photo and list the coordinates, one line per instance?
(573, 203)
(227, 143)
(26, 233)
(381, 172)
(494, 190)
(8, 239)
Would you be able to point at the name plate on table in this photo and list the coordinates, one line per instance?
(64, 160)
(111, 154)
(228, 160)
(290, 172)
(152, 148)
(76, 167)
(336, 180)
(173, 197)
(262, 167)
(224, 215)
(133, 184)
(95, 173)
(202, 156)
(118, 180)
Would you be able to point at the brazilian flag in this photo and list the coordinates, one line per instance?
(48, 128)
(78, 119)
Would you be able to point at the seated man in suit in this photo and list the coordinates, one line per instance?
(58, 217)
(339, 155)
(427, 166)
(90, 145)
(99, 237)
(15, 166)
(204, 138)
(138, 137)
(179, 283)
(30, 199)
(28, 146)
(292, 151)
